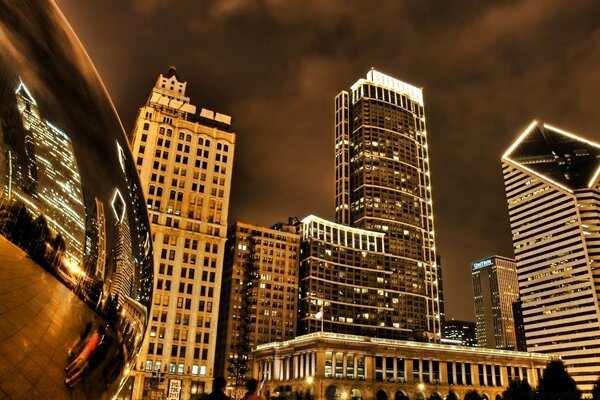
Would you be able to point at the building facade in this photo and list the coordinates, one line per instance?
(495, 289)
(460, 333)
(53, 187)
(344, 284)
(259, 295)
(184, 159)
(383, 185)
(331, 366)
(553, 198)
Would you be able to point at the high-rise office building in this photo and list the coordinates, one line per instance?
(383, 186)
(552, 188)
(459, 332)
(259, 295)
(495, 289)
(54, 189)
(184, 159)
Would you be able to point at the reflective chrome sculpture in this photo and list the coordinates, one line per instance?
(75, 247)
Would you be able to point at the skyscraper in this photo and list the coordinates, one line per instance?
(495, 290)
(259, 295)
(184, 160)
(383, 185)
(552, 188)
(55, 189)
(459, 332)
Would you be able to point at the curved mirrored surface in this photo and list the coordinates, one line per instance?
(75, 247)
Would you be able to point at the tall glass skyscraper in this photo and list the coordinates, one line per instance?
(383, 185)
(552, 188)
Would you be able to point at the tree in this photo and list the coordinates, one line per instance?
(451, 396)
(557, 384)
(596, 390)
(518, 390)
(472, 395)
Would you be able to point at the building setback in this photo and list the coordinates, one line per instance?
(331, 366)
(495, 289)
(184, 160)
(373, 272)
(553, 198)
(259, 295)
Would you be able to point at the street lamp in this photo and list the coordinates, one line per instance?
(421, 386)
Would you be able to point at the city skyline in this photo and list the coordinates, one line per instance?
(483, 77)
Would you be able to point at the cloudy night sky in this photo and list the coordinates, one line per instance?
(275, 66)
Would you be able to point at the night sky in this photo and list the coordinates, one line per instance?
(275, 66)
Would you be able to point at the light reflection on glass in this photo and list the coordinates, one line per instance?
(75, 249)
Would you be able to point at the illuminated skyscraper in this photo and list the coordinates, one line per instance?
(184, 160)
(123, 278)
(552, 189)
(57, 193)
(495, 290)
(383, 186)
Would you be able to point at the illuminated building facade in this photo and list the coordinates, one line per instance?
(184, 160)
(460, 333)
(259, 294)
(95, 241)
(344, 286)
(553, 198)
(329, 366)
(495, 289)
(122, 280)
(383, 185)
(55, 189)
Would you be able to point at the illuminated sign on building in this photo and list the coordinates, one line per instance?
(483, 263)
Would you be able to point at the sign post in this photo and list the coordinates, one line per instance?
(174, 389)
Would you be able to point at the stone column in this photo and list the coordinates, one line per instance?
(344, 364)
(333, 364)
(443, 373)
(395, 365)
(454, 373)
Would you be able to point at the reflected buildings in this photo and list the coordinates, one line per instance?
(54, 185)
(62, 300)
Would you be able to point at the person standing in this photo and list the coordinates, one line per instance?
(252, 393)
(217, 393)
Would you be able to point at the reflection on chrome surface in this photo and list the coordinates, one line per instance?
(75, 248)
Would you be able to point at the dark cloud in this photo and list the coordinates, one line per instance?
(487, 69)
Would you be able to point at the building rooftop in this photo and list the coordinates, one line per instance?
(481, 351)
(561, 157)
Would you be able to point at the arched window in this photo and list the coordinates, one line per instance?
(355, 394)
(400, 395)
(332, 393)
(381, 395)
